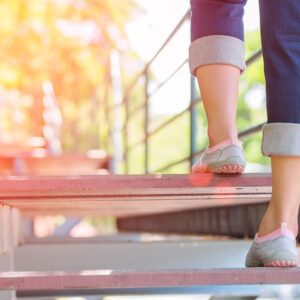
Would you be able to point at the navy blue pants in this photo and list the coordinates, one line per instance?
(217, 36)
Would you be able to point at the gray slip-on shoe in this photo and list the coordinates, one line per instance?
(277, 249)
(223, 158)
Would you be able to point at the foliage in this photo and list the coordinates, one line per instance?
(68, 43)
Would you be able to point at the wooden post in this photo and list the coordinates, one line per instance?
(7, 264)
(16, 227)
(10, 228)
(5, 228)
(8, 233)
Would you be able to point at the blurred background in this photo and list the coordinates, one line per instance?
(103, 87)
(58, 89)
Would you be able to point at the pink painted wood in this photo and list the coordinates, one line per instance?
(68, 164)
(63, 165)
(126, 195)
(135, 184)
(139, 279)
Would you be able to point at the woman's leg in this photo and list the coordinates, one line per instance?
(216, 58)
(284, 205)
(274, 245)
(280, 28)
(219, 85)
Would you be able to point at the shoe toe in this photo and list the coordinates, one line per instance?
(200, 168)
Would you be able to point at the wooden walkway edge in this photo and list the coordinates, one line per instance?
(150, 278)
(130, 195)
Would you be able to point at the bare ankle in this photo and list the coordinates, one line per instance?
(221, 138)
(273, 219)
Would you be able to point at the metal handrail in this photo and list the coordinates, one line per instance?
(144, 73)
(191, 108)
(249, 61)
(134, 82)
(164, 124)
(160, 85)
(254, 57)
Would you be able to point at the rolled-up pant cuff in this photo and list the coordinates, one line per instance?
(217, 49)
(281, 139)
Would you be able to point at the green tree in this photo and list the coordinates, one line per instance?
(67, 43)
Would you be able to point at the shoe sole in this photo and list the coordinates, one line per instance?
(231, 168)
(281, 263)
(233, 164)
(276, 263)
(224, 169)
(282, 258)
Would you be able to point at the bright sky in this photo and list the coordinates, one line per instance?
(148, 32)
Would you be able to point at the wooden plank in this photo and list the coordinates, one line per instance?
(122, 195)
(152, 278)
(51, 165)
(132, 207)
(165, 254)
(135, 185)
(63, 164)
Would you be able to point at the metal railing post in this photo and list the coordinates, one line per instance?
(117, 113)
(146, 123)
(193, 123)
(126, 136)
(104, 125)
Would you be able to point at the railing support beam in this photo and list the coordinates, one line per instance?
(193, 123)
(146, 123)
